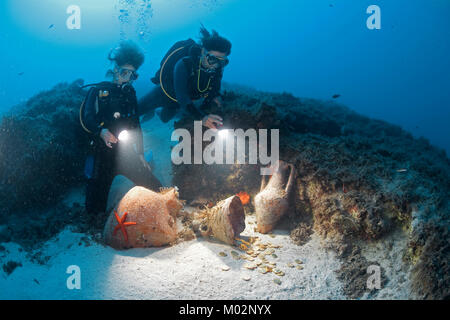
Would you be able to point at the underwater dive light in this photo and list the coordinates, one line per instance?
(124, 136)
(223, 133)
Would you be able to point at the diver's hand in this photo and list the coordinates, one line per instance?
(146, 165)
(108, 137)
(212, 121)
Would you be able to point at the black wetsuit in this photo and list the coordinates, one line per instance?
(185, 86)
(115, 108)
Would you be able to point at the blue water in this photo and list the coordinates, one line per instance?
(314, 48)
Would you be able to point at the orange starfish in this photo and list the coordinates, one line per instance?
(122, 224)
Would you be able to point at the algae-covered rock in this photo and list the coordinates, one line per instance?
(359, 180)
(42, 149)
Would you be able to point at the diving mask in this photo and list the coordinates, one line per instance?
(128, 73)
(216, 60)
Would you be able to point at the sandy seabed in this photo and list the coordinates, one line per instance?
(188, 270)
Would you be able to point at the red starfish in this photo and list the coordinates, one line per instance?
(122, 224)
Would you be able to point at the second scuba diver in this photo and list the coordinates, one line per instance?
(189, 72)
(110, 115)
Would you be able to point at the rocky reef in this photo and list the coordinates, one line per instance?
(359, 182)
(43, 149)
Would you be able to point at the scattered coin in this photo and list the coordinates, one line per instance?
(225, 268)
(264, 269)
(277, 281)
(222, 254)
(252, 239)
(235, 255)
(276, 246)
(250, 266)
(278, 272)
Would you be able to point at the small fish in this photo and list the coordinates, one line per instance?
(20, 73)
(244, 196)
(51, 26)
(335, 96)
(402, 170)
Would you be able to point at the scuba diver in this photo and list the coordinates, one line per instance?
(110, 115)
(189, 72)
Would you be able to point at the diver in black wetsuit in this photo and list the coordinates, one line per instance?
(110, 115)
(189, 72)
